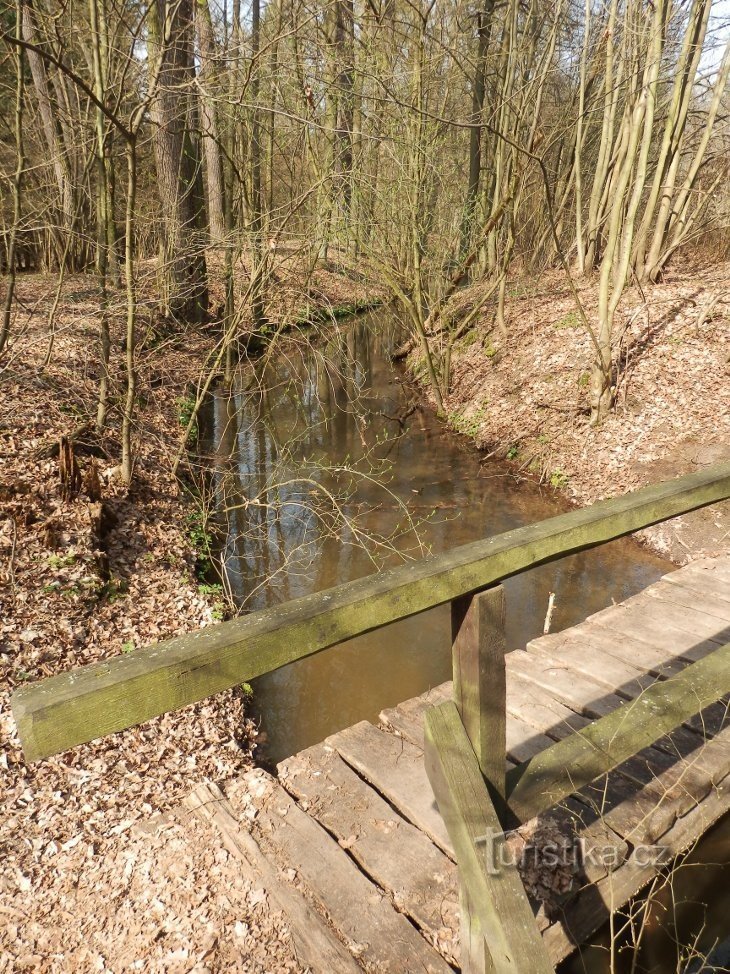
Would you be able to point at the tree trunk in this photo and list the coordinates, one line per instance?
(183, 270)
(18, 178)
(211, 130)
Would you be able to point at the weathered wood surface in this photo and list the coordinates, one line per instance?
(606, 743)
(420, 879)
(316, 943)
(395, 768)
(371, 809)
(503, 917)
(478, 650)
(379, 937)
(83, 704)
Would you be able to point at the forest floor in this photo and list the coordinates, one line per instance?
(526, 398)
(99, 873)
(91, 877)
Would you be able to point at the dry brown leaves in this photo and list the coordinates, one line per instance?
(81, 886)
(530, 398)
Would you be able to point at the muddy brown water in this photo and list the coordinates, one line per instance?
(343, 405)
(336, 427)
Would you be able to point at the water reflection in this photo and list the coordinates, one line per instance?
(320, 424)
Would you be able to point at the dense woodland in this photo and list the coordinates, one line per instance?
(541, 191)
(422, 145)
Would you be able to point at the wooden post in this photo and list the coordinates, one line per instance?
(480, 694)
(500, 936)
(477, 653)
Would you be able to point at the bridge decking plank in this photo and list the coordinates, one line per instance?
(523, 742)
(421, 880)
(316, 943)
(381, 938)
(368, 803)
(679, 593)
(395, 768)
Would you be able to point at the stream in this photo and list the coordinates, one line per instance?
(285, 442)
(326, 468)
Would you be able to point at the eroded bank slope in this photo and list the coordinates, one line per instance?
(525, 397)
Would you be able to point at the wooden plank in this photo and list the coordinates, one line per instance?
(495, 894)
(701, 579)
(577, 691)
(700, 600)
(421, 881)
(478, 649)
(317, 946)
(657, 660)
(382, 939)
(691, 635)
(581, 693)
(586, 660)
(407, 720)
(589, 911)
(83, 704)
(396, 769)
(677, 762)
(601, 843)
(604, 744)
(537, 707)
(608, 658)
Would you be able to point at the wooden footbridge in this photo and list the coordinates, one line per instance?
(495, 822)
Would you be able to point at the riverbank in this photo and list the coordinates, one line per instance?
(525, 398)
(85, 577)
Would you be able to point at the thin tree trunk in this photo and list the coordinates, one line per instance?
(211, 130)
(17, 179)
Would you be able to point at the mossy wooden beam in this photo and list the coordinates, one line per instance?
(478, 649)
(83, 704)
(499, 911)
(604, 744)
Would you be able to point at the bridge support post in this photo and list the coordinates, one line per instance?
(480, 694)
(478, 650)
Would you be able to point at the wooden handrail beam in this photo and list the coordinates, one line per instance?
(582, 757)
(83, 704)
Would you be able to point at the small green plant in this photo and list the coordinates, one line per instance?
(210, 589)
(584, 380)
(513, 452)
(62, 561)
(490, 350)
(559, 479)
(202, 541)
(571, 320)
(128, 647)
(468, 424)
(185, 410)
